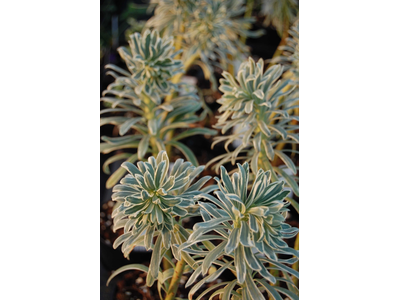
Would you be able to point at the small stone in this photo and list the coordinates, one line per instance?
(139, 280)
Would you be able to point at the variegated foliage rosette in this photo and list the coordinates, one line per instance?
(209, 29)
(251, 229)
(171, 15)
(151, 62)
(135, 104)
(280, 13)
(256, 108)
(149, 199)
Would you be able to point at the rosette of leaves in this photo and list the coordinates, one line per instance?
(216, 29)
(280, 13)
(170, 15)
(151, 64)
(143, 119)
(257, 106)
(208, 29)
(251, 229)
(148, 201)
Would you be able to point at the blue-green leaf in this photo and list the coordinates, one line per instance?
(127, 268)
(143, 146)
(240, 264)
(233, 241)
(271, 291)
(213, 255)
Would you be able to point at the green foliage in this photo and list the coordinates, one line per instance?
(251, 227)
(255, 105)
(209, 29)
(147, 201)
(137, 106)
(151, 62)
(280, 13)
(247, 215)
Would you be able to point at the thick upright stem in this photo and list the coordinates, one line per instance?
(166, 264)
(247, 14)
(296, 264)
(179, 38)
(231, 67)
(176, 278)
(186, 65)
(149, 114)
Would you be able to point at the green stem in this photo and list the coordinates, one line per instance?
(186, 65)
(231, 68)
(247, 14)
(176, 278)
(296, 264)
(165, 262)
(179, 38)
(149, 114)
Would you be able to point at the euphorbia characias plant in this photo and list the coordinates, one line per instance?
(150, 199)
(146, 121)
(208, 31)
(152, 202)
(251, 227)
(243, 229)
(256, 102)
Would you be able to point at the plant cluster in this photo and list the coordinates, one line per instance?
(251, 229)
(255, 103)
(149, 199)
(243, 228)
(138, 106)
(206, 29)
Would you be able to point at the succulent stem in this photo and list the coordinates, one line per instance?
(165, 262)
(149, 111)
(296, 264)
(187, 64)
(231, 67)
(247, 14)
(178, 43)
(176, 278)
